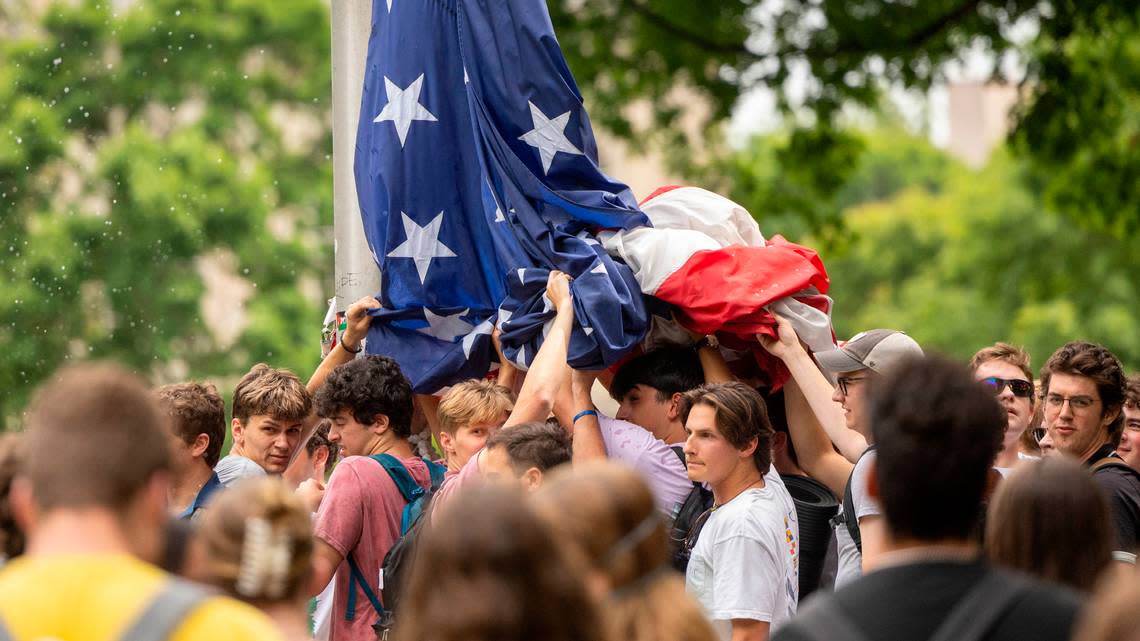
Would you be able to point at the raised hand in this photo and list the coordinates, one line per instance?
(357, 321)
(558, 289)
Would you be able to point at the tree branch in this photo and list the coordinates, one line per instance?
(668, 26)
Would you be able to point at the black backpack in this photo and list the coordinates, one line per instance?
(399, 557)
(687, 523)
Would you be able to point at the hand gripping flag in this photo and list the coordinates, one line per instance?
(705, 255)
(476, 171)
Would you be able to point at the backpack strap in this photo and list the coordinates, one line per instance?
(679, 450)
(411, 490)
(847, 517)
(166, 612)
(356, 577)
(983, 606)
(825, 620)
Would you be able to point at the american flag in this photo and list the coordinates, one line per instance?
(477, 173)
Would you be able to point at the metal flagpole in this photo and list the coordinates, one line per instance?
(355, 269)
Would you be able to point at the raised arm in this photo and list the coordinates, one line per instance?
(357, 322)
(816, 389)
(587, 430)
(712, 362)
(543, 379)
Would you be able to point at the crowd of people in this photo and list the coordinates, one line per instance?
(881, 493)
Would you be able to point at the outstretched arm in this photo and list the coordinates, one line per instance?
(540, 387)
(357, 322)
(816, 389)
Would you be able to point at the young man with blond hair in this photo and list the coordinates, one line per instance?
(92, 498)
(271, 407)
(197, 419)
(1004, 369)
(468, 414)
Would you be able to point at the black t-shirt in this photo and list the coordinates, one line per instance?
(1121, 487)
(909, 603)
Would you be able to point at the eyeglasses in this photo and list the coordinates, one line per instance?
(1077, 403)
(1020, 388)
(844, 382)
(1038, 435)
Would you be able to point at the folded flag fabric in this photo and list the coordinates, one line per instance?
(706, 256)
(476, 171)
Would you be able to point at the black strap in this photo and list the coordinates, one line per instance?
(166, 612)
(848, 516)
(971, 619)
(679, 450)
(982, 607)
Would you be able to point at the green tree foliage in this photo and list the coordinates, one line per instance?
(960, 259)
(1079, 124)
(135, 143)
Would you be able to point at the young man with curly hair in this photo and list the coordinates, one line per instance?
(369, 404)
(197, 418)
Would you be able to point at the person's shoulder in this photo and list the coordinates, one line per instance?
(223, 617)
(1043, 611)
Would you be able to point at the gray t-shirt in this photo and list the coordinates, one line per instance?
(234, 468)
(850, 560)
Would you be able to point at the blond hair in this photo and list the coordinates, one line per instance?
(267, 391)
(607, 512)
(264, 510)
(473, 402)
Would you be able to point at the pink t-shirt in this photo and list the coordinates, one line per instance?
(468, 475)
(361, 513)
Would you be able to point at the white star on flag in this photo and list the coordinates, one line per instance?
(446, 328)
(389, 6)
(482, 329)
(404, 107)
(422, 244)
(548, 136)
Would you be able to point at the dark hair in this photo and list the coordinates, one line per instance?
(1049, 519)
(741, 415)
(490, 569)
(536, 444)
(937, 432)
(1081, 358)
(366, 387)
(195, 409)
(778, 417)
(11, 466)
(669, 370)
(319, 439)
(1132, 391)
(96, 437)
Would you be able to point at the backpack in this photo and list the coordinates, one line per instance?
(399, 556)
(687, 523)
(159, 621)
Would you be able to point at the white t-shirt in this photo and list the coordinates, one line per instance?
(234, 468)
(850, 560)
(657, 463)
(746, 562)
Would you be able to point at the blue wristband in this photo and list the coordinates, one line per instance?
(579, 415)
